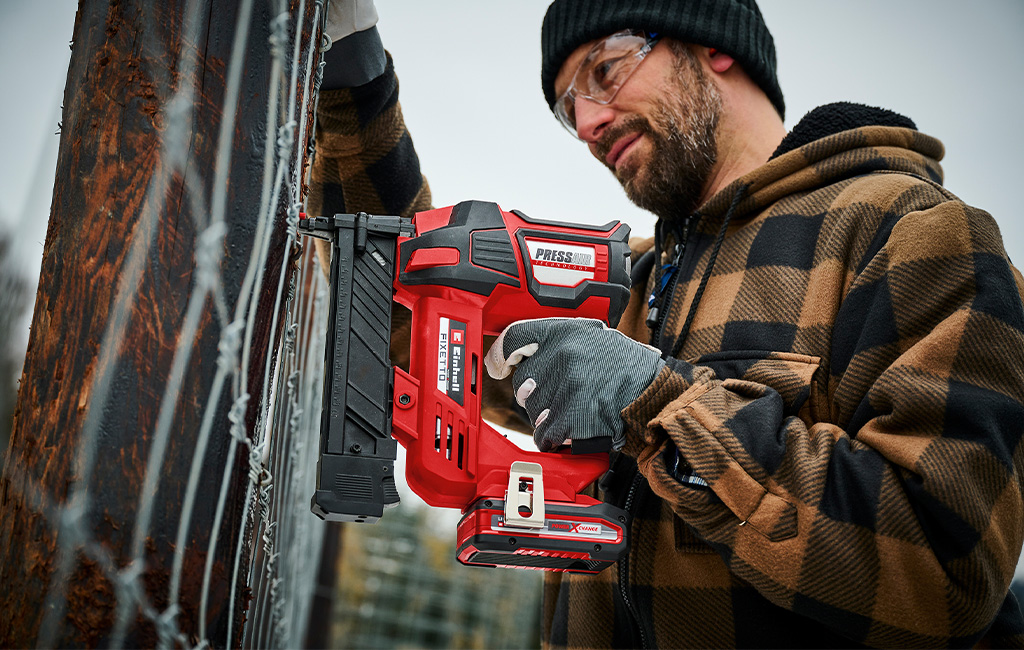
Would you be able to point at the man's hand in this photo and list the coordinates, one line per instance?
(346, 17)
(573, 376)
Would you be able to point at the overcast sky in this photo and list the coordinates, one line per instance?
(469, 72)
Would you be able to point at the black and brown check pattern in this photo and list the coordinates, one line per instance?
(854, 396)
(852, 389)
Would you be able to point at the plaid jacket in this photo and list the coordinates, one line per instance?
(851, 390)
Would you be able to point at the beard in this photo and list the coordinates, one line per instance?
(683, 135)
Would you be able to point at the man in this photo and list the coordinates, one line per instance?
(821, 445)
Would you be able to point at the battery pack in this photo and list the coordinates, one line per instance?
(573, 539)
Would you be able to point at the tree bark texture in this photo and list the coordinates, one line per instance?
(123, 71)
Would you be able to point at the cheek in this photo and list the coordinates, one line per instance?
(637, 159)
(662, 106)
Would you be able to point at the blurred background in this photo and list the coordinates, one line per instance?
(470, 90)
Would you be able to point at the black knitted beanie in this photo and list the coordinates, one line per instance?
(734, 27)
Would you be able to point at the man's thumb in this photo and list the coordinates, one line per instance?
(516, 342)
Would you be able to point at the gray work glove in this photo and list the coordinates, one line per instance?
(573, 376)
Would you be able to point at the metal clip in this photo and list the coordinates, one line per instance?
(524, 500)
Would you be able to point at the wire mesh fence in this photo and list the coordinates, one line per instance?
(283, 567)
(103, 543)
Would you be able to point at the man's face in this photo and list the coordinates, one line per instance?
(658, 136)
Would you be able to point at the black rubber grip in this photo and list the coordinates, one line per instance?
(596, 445)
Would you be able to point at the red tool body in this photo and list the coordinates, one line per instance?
(467, 272)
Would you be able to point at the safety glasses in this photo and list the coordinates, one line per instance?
(603, 71)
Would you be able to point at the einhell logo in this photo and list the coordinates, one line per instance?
(451, 355)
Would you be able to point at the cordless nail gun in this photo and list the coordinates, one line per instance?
(464, 272)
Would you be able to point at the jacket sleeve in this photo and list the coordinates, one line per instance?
(892, 511)
(364, 158)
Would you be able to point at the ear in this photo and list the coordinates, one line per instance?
(719, 61)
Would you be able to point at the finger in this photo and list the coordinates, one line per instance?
(541, 418)
(525, 391)
(519, 340)
(498, 365)
(550, 433)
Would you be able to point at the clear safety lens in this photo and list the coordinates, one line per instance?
(603, 71)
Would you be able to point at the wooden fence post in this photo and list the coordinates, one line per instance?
(118, 120)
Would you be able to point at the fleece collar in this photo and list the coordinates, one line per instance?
(838, 117)
(832, 143)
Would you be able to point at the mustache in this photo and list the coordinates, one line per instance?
(634, 124)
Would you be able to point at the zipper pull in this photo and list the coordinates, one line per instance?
(652, 318)
(667, 271)
(681, 472)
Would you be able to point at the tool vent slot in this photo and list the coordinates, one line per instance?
(472, 376)
(448, 443)
(450, 438)
(462, 448)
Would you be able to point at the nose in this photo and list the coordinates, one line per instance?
(592, 119)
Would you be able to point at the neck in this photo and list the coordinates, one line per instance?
(749, 132)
